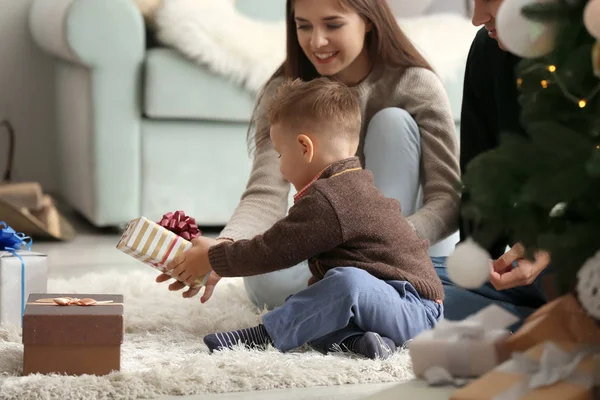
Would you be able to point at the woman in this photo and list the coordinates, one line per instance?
(408, 139)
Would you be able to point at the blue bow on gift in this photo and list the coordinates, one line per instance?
(12, 241)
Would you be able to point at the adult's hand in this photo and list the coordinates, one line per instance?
(191, 292)
(504, 276)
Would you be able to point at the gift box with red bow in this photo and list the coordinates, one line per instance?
(156, 244)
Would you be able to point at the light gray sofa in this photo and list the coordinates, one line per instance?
(142, 130)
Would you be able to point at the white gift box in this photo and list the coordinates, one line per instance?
(154, 245)
(14, 289)
(464, 349)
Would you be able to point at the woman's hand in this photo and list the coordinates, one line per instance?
(190, 265)
(503, 276)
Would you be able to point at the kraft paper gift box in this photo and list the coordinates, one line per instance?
(547, 371)
(72, 339)
(154, 245)
(18, 280)
(464, 349)
(562, 320)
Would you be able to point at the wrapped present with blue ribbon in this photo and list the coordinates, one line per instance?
(22, 272)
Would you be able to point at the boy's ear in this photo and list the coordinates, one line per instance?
(308, 147)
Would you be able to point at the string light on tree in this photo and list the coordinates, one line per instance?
(581, 102)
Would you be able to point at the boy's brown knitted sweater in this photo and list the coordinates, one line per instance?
(339, 220)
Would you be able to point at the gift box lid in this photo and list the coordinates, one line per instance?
(52, 324)
(22, 253)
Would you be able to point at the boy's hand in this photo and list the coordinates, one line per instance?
(209, 288)
(210, 284)
(193, 264)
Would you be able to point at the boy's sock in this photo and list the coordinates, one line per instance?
(251, 337)
(370, 345)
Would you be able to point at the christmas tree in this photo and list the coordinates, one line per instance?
(543, 189)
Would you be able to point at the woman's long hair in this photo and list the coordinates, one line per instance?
(386, 44)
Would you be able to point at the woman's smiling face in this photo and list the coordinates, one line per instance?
(333, 38)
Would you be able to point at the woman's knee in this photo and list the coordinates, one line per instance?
(392, 125)
(272, 289)
(392, 151)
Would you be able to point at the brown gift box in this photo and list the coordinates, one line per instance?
(506, 382)
(561, 320)
(74, 339)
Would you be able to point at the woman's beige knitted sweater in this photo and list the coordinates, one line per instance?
(416, 90)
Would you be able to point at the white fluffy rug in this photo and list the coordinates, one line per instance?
(248, 51)
(163, 352)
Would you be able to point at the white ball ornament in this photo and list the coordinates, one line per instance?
(591, 18)
(521, 36)
(469, 265)
(588, 286)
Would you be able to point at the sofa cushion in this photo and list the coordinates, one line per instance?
(176, 88)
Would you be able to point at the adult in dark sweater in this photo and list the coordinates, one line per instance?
(490, 107)
(373, 284)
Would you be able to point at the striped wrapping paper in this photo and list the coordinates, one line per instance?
(153, 245)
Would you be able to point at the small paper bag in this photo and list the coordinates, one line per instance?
(154, 245)
(467, 348)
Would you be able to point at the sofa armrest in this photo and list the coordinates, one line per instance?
(99, 47)
(89, 32)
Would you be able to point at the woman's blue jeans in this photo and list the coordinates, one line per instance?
(460, 303)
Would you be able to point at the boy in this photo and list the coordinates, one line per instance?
(373, 286)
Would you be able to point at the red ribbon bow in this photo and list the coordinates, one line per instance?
(180, 224)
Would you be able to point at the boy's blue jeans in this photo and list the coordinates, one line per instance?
(460, 303)
(346, 302)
